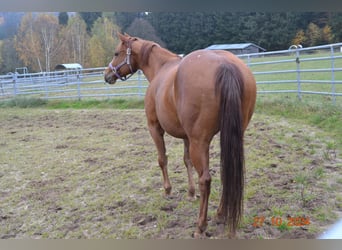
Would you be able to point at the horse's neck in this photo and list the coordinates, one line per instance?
(157, 59)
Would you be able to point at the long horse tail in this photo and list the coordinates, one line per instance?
(229, 85)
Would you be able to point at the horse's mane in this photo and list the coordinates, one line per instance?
(146, 50)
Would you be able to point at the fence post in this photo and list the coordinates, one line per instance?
(333, 87)
(299, 90)
(15, 90)
(46, 88)
(2, 87)
(78, 87)
(248, 61)
(139, 83)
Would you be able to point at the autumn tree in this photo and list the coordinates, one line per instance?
(103, 42)
(313, 34)
(27, 43)
(47, 28)
(327, 36)
(299, 38)
(96, 52)
(37, 41)
(76, 41)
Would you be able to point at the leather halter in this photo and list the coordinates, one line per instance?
(127, 61)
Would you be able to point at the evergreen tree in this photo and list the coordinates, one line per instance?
(90, 18)
(143, 29)
(336, 26)
(125, 19)
(10, 59)
(63, 18)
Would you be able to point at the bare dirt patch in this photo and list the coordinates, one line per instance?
(93, 174)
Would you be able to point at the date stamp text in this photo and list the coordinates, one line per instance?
(258, 221)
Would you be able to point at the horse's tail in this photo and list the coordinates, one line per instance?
(229, 85)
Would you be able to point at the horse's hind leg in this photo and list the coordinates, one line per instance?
(199, 154)
(157, 134)
(189, 166)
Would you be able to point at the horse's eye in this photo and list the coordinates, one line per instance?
(116, 53)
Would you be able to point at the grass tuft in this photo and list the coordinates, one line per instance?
(323, 115)
(24, 102)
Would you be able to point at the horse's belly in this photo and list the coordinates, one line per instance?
(170, 123)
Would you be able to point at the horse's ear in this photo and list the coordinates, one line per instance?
(122, 37)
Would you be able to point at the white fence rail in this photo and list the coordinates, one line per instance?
(303, 71)
(73, 84)
(314, 70)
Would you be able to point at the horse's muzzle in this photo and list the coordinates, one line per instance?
(110, 78)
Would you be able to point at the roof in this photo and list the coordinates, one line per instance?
(68, 66)
(233, 46)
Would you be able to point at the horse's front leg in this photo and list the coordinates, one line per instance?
(157, 134)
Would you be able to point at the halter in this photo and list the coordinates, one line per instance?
(126, 61)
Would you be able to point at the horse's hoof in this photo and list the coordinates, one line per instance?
(220, 228)
(198, 235)
(191, 198)
(232, 235)
(168, 191)
(167, 196)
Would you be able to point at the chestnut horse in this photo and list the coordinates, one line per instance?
(193, 98)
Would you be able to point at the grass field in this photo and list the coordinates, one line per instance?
(88, 169)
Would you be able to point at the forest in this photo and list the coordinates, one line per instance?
(39, 41)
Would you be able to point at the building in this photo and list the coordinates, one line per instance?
(69, 72)
(238, 48)
(68, 66)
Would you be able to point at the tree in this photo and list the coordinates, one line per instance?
(125, 19)
(63, 18)
(313, 34)
(96, 52)
(335, 23)
(105, 38)
(27, 44)
(9, 22)
(143, 29)
(76, 40)
(9, 56)
(299, 38)
(90, 18)
(1, 46)
(184, 32)
(37, 41)
(48, 29)
(327, 36)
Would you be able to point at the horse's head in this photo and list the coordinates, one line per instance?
(124, 63)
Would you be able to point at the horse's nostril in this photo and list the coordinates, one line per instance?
(107, 78)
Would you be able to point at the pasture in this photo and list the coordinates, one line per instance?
(91, 172)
